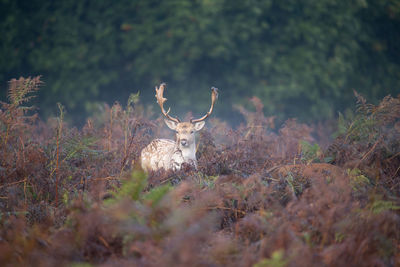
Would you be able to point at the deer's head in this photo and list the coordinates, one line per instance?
(184, 130)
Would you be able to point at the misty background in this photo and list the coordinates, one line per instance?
(303, 59)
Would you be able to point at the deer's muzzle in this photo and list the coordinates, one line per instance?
(184, 142)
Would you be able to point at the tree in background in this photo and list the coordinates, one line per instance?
(302, 58)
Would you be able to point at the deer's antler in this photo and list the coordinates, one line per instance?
(161, 100)
(214, 96)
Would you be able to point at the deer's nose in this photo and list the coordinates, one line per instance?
(184, 142)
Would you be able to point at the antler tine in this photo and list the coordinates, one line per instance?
(160, 100)
(214, 97)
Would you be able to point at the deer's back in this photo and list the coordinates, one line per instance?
(158, 154)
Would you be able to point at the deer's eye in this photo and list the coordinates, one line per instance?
(191, 132)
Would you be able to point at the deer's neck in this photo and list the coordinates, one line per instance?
(189, 152)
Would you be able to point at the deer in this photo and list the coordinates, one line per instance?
(171, 154)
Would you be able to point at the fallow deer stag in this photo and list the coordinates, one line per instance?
(169, 154)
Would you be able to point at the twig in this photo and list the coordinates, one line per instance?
(110, 129)
(104, 178)
(395, 155)
(59, 133)
(274, 168)
(6, 138)
(25, 201)
(13, 183)
(123, 162)
(369, 152)
(396, 172)
(105, 243)
(57, 173)
(167, 180)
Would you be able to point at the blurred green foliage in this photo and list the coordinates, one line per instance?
(302, 58)
(277, 260)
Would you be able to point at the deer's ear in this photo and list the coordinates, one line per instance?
(171, 124)
(199, 125)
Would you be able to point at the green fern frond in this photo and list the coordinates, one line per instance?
(277, 260)
(379, 206)
(18, 90)
(154, 196)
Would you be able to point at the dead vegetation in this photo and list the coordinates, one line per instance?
(261, 197)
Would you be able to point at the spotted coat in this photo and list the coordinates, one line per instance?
(166, 154)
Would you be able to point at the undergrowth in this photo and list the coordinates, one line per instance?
(261, 196)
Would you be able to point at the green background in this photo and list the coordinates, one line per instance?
(302, 58)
